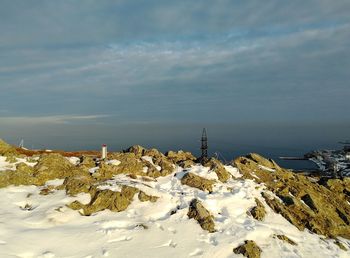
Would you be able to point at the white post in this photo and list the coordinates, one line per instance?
(104, 151)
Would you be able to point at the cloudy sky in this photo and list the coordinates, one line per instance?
(154, 61)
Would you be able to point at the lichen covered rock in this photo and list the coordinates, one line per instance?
(258, 212)
(219, 169)
(198, 212)
(285, 239)
(177, 157)
(74, 185)
(303, 202)
(108, 199)
(6, 148)
(201, 183)
(249, 249)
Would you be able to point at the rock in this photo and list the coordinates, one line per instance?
(258, 212)
(303, 202)
(52, 166)
(10, 157)
(201, 183)
(86, 163)
(129, 164)
(23, 175)
(179, 156)
(285, 239)
(144, 197)
(107, 199)
(186, 163)
(79, 184)
(341, 187)
(340, 245)
(202, 215)
(137, 150)
(218, 168)
(249, 249)
(6, 148)
(159, 159)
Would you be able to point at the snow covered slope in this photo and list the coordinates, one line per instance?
(35, 225)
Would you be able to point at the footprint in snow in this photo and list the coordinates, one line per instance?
(120, 239)
(170, 243)
(172, 230)
(196, 252)
(105, 253)
(47, 255)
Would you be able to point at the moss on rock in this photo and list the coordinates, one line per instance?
(198, 212)
(219, 169)
(201, 183)
(258, 212)
(303, 202)
(249, 249)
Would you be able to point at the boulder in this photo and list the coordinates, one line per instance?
(198, 212)
(218, 168)
(258, 212)
(143, 197)
(201, 183)
(23, 175)
(137, 150)
(79, 184)
(180, 156)
(111, 200)
(6, 148)
(86, 163)
(129, 164)
(249, 249)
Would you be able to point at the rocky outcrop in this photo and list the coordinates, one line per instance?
(218, 168)
(143, 197)
(303, 202)
(49, 167)
(137, 150)
(179, 157)
(258, 212)
(79, 184)
(111, 200)
(159, 159)
(198, 212)
(23, 175)
(249, 249)
(129, 164)
(201, 183)
(6, 148)
(86, 163)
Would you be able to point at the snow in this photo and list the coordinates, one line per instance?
(113, 162)
(74, 160)
(267, 169)
(150, 160)
(4, 165)
(33, 225)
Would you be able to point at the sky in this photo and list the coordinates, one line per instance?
(70, 66)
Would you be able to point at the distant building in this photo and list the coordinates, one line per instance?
(347, 155)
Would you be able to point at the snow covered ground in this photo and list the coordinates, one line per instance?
(34, 225)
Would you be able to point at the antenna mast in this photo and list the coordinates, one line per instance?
(204, 146)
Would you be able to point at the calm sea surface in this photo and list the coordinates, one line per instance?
(229, 140)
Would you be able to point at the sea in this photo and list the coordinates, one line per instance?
(225, 140)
